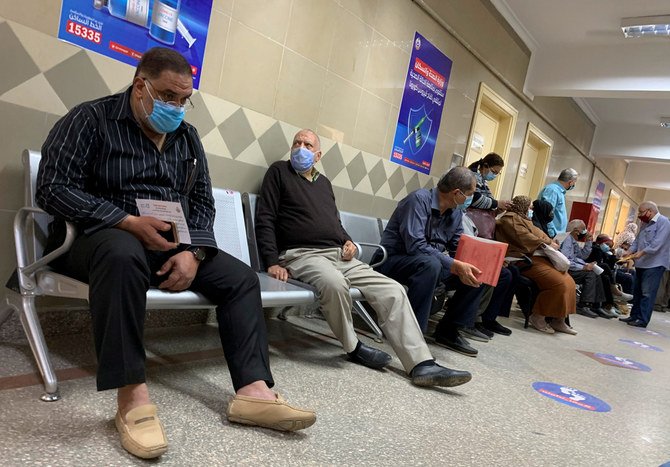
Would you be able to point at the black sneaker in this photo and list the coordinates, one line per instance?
(481, 328)
(582, 310)
(474, 334)
(495, 326)
(457, 344)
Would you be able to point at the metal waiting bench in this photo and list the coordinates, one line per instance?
(361, 228)
(35, 278)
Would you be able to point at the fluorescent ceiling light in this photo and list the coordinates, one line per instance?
(646, 26)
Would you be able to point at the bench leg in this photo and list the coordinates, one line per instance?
(25, 305)
(363, 313)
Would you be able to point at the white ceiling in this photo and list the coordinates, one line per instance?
(578, 51)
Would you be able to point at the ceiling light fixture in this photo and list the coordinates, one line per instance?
(646, 26)
(665, 122)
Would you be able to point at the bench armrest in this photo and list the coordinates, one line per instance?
(22, 238)
(376, 246)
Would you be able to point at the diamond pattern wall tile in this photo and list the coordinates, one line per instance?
(117, 75)
(396, 182)
(377, 176)
(364, 186)
(237, 133)
(431, 183)
(259, 122)
(332, 162)
(356, 169)
(36, 94)
(342, 180)
(273, 144)
(61, 79)
(413, 183)
(45, 50)
(17, 65)
(199, 116)
(253, 155)
(219, 109)
(214, 144)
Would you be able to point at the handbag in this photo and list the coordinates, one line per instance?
(558, 259)
(484, 220)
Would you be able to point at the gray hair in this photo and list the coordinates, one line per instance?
(568, 175)
(458, 178)
(649, 205)
(575, 224)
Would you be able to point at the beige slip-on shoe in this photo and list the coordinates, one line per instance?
(142, 433)
(275, 414)
(538, 322)
(559, 325)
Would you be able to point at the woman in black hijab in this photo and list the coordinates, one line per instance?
(543, 213)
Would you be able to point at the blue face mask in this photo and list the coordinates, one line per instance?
(605, 247)
(530, 214)
(465, 204)
(571, 187)
(302, 159)
(489, 177)
(164, 118)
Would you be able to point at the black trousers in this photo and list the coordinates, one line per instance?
(593, 291)
(119, 272)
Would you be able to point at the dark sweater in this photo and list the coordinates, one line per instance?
(293, 212)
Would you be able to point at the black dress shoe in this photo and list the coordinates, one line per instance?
(627, 319)
(437, 375)
(457, 344)
(495, 326)
(637, 323)
(481, 328)
(370, 357)
(586, 312)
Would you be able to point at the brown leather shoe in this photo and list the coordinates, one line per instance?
(142, 433)
(275, 414)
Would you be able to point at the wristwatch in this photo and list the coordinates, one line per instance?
(199, 252)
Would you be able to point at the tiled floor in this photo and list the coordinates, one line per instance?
(365, 417)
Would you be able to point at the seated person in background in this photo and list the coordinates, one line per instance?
(300, 235)
(593, 293)
(486, 170)
(421, 238)
(627, 236)
(96, 162)
(557, 297)
(543, 215)
(602, 255)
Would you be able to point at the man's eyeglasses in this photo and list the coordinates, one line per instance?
(186, 102)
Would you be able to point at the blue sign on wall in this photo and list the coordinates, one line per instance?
(620, 361)
(572, 397)
(421, 106)
(125, 29)
(641, 345)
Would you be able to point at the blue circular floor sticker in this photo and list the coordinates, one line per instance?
(620, 361)
(641, 345)
(571, 396)
(652, 333)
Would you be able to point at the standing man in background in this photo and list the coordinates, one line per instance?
(554, 194)
(651, 252)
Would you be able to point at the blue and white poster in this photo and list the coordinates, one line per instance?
(125, 29)
(421, 106)
(571, 396)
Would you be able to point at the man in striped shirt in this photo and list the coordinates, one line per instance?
(98, 160)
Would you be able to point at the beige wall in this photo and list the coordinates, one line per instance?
(276, 65)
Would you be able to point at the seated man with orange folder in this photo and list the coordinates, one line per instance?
(421, 239)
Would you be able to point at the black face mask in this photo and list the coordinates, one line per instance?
(581, 237)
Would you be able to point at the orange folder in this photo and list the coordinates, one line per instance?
(486, 255)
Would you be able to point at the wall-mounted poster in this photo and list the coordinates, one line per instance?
(125, 29)
(421, 106)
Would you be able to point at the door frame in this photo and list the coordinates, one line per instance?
(548, 146)
(487, 97)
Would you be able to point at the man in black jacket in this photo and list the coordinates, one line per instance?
(299, 235)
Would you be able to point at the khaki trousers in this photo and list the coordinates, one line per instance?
(332, 277)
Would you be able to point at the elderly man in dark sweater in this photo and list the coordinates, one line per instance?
(300, 235)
